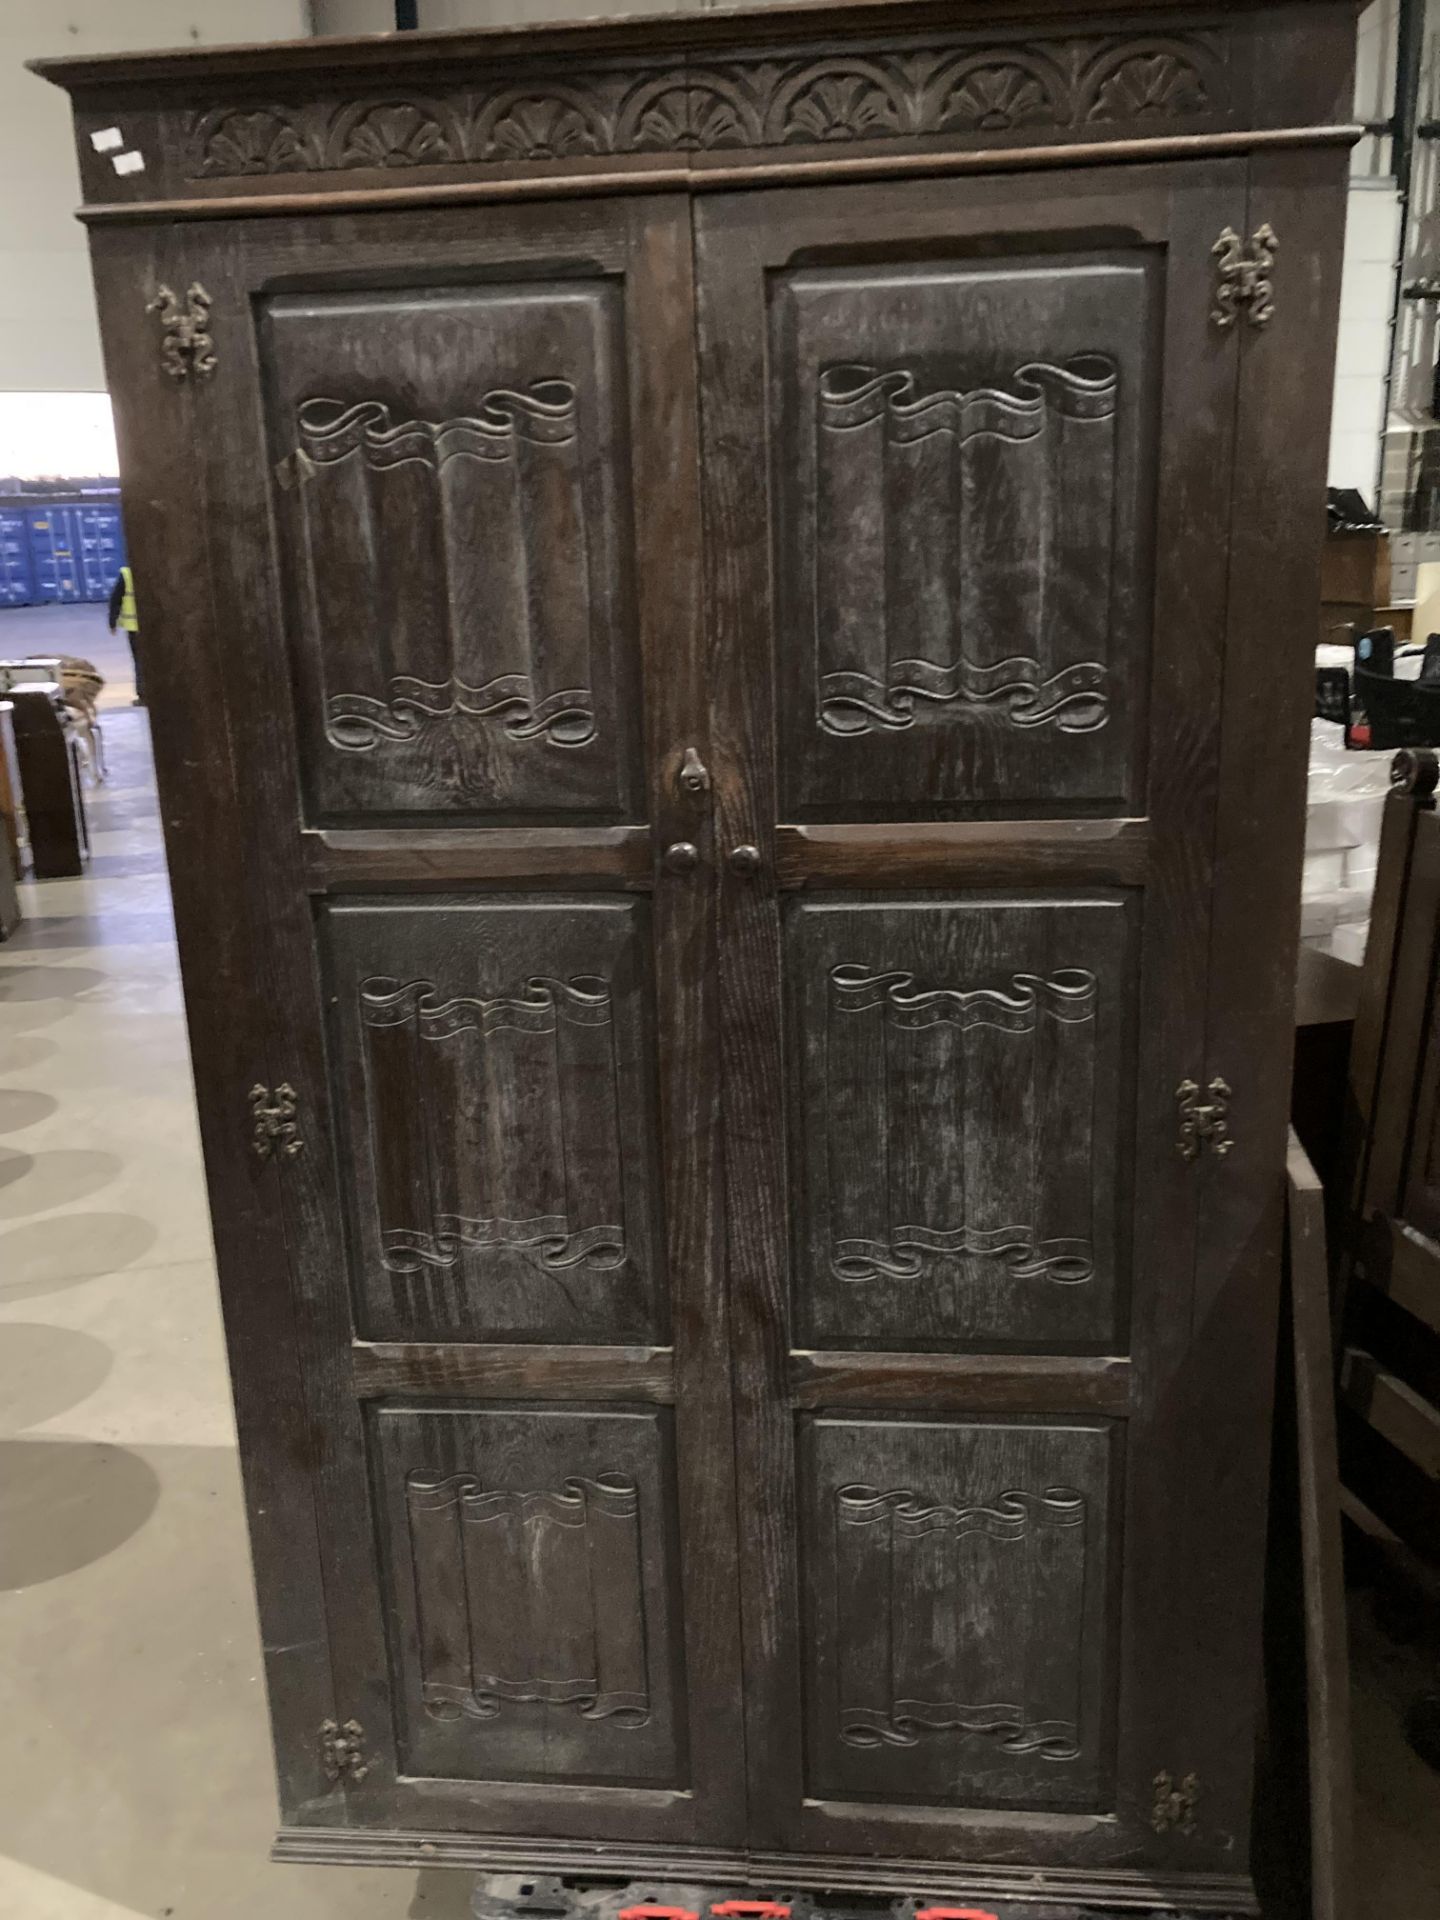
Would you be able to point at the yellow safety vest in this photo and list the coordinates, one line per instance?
(129, 619)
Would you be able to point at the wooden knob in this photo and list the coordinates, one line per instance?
(681, 856)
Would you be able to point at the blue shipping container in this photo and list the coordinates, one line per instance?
(56, 572)
(17, 575)
(101, 548)
(76, 550)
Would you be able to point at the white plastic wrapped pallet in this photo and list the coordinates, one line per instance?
(1344, 803)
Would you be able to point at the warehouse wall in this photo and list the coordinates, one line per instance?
(1372, 247)
(1362, 354)
(49, 342)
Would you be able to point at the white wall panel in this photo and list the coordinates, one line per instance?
(48, 337)
(378, 16)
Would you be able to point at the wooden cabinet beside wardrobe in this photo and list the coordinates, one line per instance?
(717, 593)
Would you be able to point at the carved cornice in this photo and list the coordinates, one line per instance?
(972, 92)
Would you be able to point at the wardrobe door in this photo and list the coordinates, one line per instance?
(445, 488)
(968, 452)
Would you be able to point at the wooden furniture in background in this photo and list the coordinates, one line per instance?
(80, 684)
(49, 781)
(1303, 1831)
(1354, 585)
(9, 824)
(1305, 1823)
(1355, 568)
(1327, 993)
(739, 918)
(1390, 1270)
(1389, 1304)
(1399, 616)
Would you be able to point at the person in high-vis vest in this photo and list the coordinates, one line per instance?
(123, 614)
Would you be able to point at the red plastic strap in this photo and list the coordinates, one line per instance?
(761, 1909)
(657, 1913)
(955, 1913)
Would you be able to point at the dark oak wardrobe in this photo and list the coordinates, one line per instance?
(728, 605)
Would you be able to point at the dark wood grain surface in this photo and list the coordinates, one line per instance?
(45, 758)
(9, 823)
(392, 1241)
(1180, 387)
(210, 849)
(1274, 544)
(1330, 1764)
(1303, 1826)
(1387, 1306)
(731, 807)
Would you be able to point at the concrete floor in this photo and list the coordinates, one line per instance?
(135, 1772)
(1397, 1829)
(28, 631)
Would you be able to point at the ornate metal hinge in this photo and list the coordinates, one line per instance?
(1203, 1123)
(1174, 1808)
(185, 346)
(1242, 277)
(342, 1750)
(275, 1130)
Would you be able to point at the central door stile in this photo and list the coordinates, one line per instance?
(740, 676)
(680, 752)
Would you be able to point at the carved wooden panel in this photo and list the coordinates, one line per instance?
(531, 1592)
(964, 88)
(961, 1069)
(496, 1082)
(1411, 1190)
(450, 480)
(961, 534)
(957, 1598)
